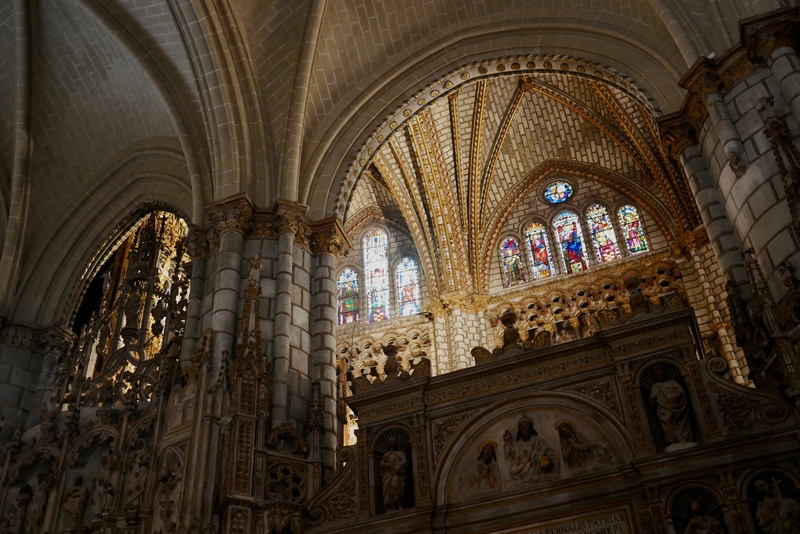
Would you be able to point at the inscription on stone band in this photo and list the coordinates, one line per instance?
(612, 523)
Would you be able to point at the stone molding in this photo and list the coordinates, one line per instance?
(759, 36)
(240, 214)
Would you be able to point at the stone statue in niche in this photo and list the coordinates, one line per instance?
(776, 513)
(702, 524)
(138, 469)
(254, 270)
(74, 505)
(589, 326)
(102, 497)
(19, 512)
(486, 474)
(393, 476)
(529, 455)
(578, 453)
(38, 506)
(132, 308)
(563, 337)
(669, 399)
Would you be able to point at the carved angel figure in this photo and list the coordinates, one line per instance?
(393, 476)
(529, 455)
(669, 399)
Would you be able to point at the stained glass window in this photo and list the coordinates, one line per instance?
(347, 287)
(632, 229)
(512, 263)
(558, 192)
(603, 237)
(407, 276)
(376, 268)
(539, 250)
(568, 232)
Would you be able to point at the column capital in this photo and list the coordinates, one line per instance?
(232, 214)
(764, 34)
(328, 237)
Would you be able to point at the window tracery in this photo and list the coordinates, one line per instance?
(376, 268)
(512, 262)
(570, 237)
(347, 289)
(603, 237)
(631, 225)
(407, 277)
(538, 251)
(558, 192)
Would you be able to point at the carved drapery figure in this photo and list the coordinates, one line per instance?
(132, 308)
(254, 270)
(138, 467)
(75, 504)
(702, 524)
(563, 337)
(20, 510)
(393, 476)
(36, 510)
(530, 455)
(776, 513)
(578, 452)
(589, 327)
(669, 400)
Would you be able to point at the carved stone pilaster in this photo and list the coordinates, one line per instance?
(423, 485)
(634, 414)
(363, 472)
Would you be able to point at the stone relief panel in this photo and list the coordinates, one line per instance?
(527, 445)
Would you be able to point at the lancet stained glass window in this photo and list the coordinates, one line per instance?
(539, 250)
(376, 270)
(407, 276)
(347, 287)
(569, 235)
(632, 229)
(558, 192)
(512, 263)
(603, 237)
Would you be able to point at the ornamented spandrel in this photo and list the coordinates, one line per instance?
(602, 390)
(443, 430)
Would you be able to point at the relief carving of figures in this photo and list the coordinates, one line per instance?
(138, 469)
(669, 399)
(776, 513)
(393, 476)
(486, 470)
(529, 455)
(38, 506)
(75, 505)
(578, 452)
(700, 523)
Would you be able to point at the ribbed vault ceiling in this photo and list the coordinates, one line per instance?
(457, 166)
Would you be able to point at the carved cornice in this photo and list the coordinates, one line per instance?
(239, 214)
(52, 339)
(764, 34)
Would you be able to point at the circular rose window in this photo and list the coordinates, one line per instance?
(558, 192)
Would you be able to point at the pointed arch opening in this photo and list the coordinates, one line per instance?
(570, 238)
(602, 231)
(376, 270)
(539, 251)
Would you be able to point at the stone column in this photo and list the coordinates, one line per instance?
(54, 343)
(20, 363)
(785, 66)
(728, 134)
(327, 244)
(198, 250)
(712, 209)
(291, 385)
(441, 339)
